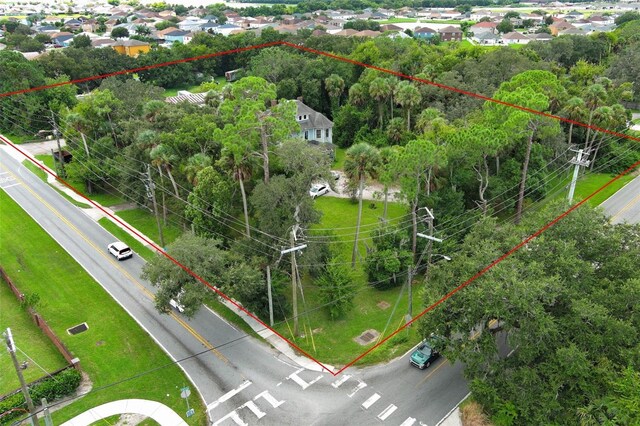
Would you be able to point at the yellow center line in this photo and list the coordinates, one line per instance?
(131, 278)
(626, 207)
(446, 361)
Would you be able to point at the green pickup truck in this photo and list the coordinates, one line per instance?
(424, 354)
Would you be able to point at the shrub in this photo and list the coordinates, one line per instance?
(51, 388)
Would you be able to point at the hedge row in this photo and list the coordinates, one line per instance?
(62, 384)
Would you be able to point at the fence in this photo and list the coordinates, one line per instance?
(41, 323)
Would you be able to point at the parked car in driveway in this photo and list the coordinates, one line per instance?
(318, 189)
(425, 354)
(120, 250)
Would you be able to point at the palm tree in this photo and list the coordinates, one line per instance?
(574, 111)
(408, 97)
(362, 161)
(162, 156)
(335, 86)
(239, 158)
(387, 173)
(606, 117)
(594, 96)
(195, 163)
(425, 121)
(379, 89)
(357, 94)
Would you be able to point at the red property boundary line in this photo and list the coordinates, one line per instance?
(343, 59)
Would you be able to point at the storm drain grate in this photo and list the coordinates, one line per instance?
(78, 328)
(383, 305)
(367, 337)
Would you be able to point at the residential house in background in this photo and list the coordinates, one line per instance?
(131, 48)
(424, 33)
(484, 26)
(559, 26)
(450, 33)
(515, 38)
(176, 36)
(313, 124)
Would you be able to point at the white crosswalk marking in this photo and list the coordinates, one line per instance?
(372, 400)
(409, 422)
(340, 381)
(387, 412)
(229, 394)
(303, 384)
(233, 416)
(361, 385)
(269, 398)
(254, 409)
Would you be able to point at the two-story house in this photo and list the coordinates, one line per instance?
(314, 126)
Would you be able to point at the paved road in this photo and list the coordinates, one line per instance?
(624, 205)
(241, 380)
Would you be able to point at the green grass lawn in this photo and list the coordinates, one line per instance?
(145, 222)
(105, 199)
(16, 138)
(338, 162)
(333, 340)
(397, 21)
(29, 340)
(114, 349)
(44, 176)
(587, 184)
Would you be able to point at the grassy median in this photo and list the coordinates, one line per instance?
(120, 358)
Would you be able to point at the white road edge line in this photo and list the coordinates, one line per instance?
(453, 409)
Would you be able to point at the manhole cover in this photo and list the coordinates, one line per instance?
(367, 337)
(383, 305)
(78, 328)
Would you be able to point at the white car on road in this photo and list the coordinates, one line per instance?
(120, 250)
(318, 189)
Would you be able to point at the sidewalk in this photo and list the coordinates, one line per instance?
(162, 414)
(97, 213)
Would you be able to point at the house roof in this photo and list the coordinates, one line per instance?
(367, 33)
(424, 30)
(348, 32)
(514, 35)
(390, 27)
(165, 31)
(186, 96)
(542, 36)
(485, 24)
(316, 120)
(130, 43)
(176, 33)
(449, 29)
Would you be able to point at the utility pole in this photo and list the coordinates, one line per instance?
(56, 133)
(413, 270)
(294, 281)
(578, 161)
(48, 421)
(86, 149)
(294, 284)
(12, 351)
(269, 294)
(152, 194)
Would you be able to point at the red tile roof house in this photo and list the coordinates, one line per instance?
(484, 27)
